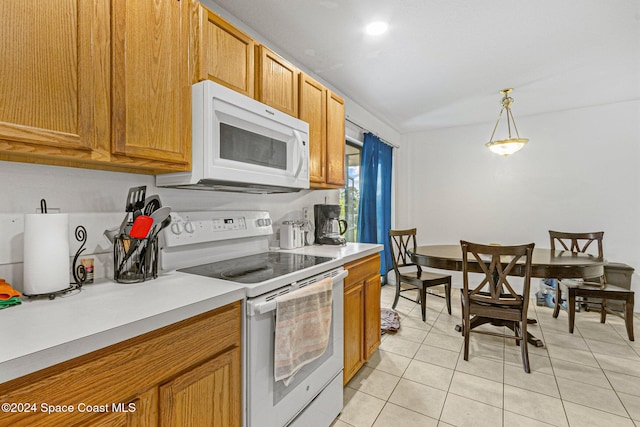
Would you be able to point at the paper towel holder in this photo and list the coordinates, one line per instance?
(79, 272)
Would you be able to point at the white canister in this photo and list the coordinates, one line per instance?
(287, 235)
(46, 253)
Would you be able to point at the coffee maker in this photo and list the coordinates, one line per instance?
(329, 226)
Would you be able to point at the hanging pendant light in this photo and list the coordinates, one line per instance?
(510, 145)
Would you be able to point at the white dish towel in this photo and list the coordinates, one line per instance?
(303, 326)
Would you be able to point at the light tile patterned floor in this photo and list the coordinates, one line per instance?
(418, 376)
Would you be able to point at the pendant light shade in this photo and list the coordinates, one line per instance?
(510, 145)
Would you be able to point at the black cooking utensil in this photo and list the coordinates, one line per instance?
(138, 203)
(135, 198)
(155, 230)
(152, 204)
(135, 201)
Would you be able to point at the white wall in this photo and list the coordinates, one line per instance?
(74, 190)
(82, 190)
(579, 172)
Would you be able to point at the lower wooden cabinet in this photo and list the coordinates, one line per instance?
(139, 411)
(361, 313)
(188, 373)
(353, 329)
(208, 387)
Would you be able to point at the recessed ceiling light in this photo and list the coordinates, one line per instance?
(376, 28)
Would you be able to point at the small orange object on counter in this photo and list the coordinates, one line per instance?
(8, 295)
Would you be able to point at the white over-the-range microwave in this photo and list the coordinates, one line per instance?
(240, 144)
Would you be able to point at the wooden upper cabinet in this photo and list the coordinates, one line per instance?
(276, 81)
(324, 111)
(313, 110)
(52, 84)
(335, 140)
(151, 88)
(224, 54)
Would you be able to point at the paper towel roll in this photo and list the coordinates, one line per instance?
(46, 253)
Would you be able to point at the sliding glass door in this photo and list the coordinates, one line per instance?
(350, 194)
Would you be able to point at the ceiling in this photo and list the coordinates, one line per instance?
(442, 63)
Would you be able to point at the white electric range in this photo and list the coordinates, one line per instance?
(233, 246)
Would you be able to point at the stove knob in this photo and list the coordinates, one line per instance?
(176, 228)
(188, 227)
(264, 222)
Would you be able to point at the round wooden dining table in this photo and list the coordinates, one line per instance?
(544, 263)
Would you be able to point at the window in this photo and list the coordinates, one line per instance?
(350, 194)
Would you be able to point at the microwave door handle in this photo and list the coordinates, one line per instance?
(298, 138)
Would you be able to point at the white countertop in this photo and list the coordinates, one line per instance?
(344, 254)
(40, 333)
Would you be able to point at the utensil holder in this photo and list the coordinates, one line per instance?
(135, 260)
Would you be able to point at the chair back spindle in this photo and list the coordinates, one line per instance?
(401, 242)
(579, 243)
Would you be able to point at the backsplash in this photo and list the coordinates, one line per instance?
(81, 192)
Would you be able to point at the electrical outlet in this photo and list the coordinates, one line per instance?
(305, 213)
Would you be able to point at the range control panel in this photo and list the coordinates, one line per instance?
(189, 228)
(226, 224)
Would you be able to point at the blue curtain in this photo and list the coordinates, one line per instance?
(374, 212)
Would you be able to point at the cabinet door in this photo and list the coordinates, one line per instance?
(141, 411)
(313, 110)
(276, 82)
(225, 54)
(54, 77)
(151, 89)
(208, 395)
(335, 140)
(372, 314)
(353, 330)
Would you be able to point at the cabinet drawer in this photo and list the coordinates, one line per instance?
(362, 268)
(118, 373)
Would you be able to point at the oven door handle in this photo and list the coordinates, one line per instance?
(267, 306)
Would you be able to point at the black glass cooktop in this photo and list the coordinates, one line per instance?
(256, 268)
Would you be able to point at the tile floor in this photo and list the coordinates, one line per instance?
(418, 376)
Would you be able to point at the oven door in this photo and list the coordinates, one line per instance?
(271, 403)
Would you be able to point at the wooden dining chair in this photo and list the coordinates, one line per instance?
(595, 290)
(409, 276)
(493, 298)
